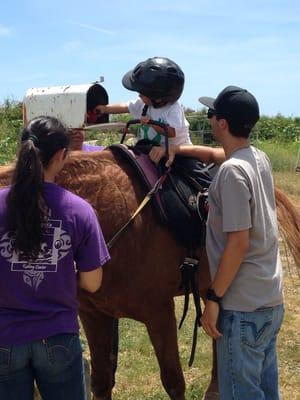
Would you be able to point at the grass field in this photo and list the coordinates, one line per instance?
(138, 373)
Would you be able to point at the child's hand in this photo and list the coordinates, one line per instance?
(145, 120)
(173, 150)
(101, 109)
(157, 153)
(91, 117)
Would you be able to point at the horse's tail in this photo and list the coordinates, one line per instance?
(289, 225)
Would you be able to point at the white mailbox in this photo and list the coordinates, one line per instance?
(71, 104)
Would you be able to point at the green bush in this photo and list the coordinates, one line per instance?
(10, 126)
(278, 136)
(279, 129)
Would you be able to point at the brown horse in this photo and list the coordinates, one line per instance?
(143, 275)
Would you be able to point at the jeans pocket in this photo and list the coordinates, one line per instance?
(257, 327)
(5, 356)
(63, 348)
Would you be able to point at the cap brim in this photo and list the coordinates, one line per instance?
(207, 101)
(127, 81)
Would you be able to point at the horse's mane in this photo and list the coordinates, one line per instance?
(83, 168)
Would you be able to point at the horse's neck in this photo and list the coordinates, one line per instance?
(84, 173)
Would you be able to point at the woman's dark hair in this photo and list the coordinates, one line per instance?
(26, 207)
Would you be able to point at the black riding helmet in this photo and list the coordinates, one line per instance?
(158, 78)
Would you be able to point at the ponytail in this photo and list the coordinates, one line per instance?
(27, 210)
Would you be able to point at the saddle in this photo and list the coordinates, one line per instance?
(181, 201)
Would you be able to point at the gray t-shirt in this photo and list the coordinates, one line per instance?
(241, 197)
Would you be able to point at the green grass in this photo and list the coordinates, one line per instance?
(138, 373)
(283, 156)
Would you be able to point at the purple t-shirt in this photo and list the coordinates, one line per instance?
(91, 147)
(39, 299)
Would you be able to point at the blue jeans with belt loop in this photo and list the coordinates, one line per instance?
(54, 363)
(247, 361)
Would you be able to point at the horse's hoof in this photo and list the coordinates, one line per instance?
(211, 396)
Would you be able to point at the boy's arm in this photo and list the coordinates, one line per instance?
(119, 108)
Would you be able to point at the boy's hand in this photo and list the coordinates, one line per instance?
(93, 115)
(157, 153)
(173, 150)
(145, 120)
(101, 109)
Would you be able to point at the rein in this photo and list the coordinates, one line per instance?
(145, 201)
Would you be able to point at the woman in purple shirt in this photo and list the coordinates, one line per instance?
(44, 231)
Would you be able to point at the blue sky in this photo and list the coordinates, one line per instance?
(254, 44)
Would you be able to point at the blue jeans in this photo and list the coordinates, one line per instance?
(247, 361)
(55, 364)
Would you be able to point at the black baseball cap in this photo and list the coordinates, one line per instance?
(238, 106)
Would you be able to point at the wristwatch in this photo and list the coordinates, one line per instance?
(211, 295)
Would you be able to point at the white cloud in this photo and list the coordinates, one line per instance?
(96, 29)
(5, 31)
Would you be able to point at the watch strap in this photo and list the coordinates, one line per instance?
(211, 295)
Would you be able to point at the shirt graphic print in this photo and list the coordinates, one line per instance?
(55, 245)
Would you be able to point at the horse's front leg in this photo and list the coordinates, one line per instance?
(161, 326)
(100, 330)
